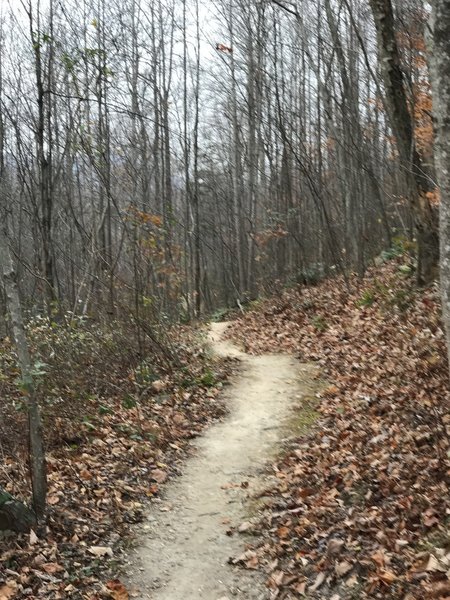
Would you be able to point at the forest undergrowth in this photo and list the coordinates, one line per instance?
(117, 426)
(360, 508)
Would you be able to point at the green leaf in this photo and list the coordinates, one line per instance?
(38, 369)
(129, 402)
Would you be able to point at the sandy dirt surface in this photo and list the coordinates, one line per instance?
(184, 548)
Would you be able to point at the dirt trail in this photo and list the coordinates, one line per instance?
(185, 551)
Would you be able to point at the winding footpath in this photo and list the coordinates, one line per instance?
(185, 551)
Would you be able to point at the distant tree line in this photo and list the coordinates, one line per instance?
(171, 158)
(159, 160)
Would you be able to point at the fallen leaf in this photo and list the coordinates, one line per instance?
(158, 475)
(334, 546)
(433, 564)
(158, 385)
(8, 590)
(352, 581)
(101, 551)
(117, 590)
(439, 589)
(343, 568)
(331, 390)
(379, 558)
(275, 579)
(283, 532)
(318, 582)
(244, 526)
(33, 538)
(252, 563)
(300, 587)
(387, 577)
(52, 568)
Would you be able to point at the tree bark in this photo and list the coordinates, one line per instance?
(14, 515)
(440, 71)
(401, 120)
(37, 455)
(44, 147)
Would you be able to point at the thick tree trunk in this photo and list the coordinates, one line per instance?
(441, 108)
(401, 120)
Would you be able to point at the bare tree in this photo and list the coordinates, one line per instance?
(425, 215)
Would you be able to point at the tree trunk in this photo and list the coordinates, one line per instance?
(37, 455)
(44, 149)
(14, 515)
(401, 120)
(440, 72)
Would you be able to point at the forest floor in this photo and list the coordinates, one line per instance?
(333, 491)
(118, 423)
(361, 504)
(192, 534)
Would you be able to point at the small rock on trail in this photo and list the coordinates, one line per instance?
(185, 553)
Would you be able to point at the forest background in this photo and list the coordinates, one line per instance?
(164, 161)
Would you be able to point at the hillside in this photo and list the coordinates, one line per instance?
(361, 503)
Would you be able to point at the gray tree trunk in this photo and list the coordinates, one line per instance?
(440, 71)
(14, 515)
(37, 456)
(402, 126)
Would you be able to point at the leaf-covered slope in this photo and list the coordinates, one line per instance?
(361, 508)
(117, 426)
